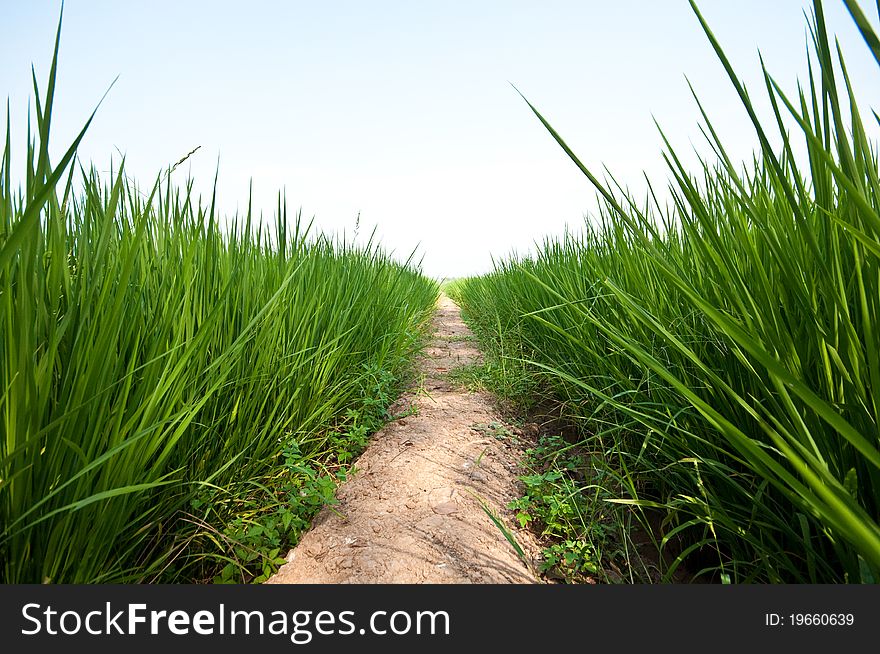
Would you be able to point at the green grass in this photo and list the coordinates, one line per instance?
(177, 398)
(722, 353)
(564, 501)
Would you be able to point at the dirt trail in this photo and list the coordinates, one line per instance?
(409, 514)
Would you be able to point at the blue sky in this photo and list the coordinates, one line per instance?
(403, 111)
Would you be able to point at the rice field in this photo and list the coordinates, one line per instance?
(720, 354)
(178, 394)
(181, 391)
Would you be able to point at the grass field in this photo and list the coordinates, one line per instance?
(181, 391)
(721, 354)
(178, 398)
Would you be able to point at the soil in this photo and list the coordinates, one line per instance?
(413, 510)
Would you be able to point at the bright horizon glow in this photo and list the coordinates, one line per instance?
(404, 113)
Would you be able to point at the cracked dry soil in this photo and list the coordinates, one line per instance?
(410, 513)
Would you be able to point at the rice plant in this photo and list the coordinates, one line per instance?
(157, 370)
(722, 353)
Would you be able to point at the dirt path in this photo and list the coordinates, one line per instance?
(409, 514)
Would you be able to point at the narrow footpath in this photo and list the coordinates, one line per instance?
(414, 510)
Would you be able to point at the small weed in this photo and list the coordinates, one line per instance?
(496, 430)
(473, 377)
(504, 530)
(585, 537)
(507, 381)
